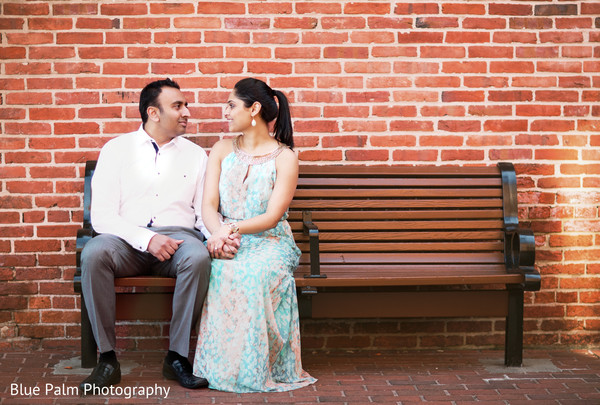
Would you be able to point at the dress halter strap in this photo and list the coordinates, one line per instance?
(255, 160)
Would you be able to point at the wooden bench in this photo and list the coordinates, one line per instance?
(387, 242)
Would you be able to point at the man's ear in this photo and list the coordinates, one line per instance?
(153, 113)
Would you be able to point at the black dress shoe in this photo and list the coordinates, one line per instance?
(181, 370)
(103, 375)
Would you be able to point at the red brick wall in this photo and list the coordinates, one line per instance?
(385, 82)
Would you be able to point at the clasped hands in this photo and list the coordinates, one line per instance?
(223, 244)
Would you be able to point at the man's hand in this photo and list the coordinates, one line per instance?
(162, 247)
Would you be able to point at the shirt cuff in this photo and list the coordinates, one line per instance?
(142, 240)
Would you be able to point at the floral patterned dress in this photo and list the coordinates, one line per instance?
(249, 338)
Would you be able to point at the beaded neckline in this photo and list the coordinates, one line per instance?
(255, 160)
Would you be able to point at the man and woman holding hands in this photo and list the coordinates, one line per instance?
(218, 225)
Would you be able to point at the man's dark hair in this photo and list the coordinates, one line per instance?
(150, 93)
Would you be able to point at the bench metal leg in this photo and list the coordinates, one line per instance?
(513, 355)
(88, 343)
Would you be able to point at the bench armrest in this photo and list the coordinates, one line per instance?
(519, 257)
(312, 231)
(519, 243)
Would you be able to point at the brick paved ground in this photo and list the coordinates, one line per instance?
(438, 377)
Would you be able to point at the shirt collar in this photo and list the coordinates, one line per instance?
(143, 137)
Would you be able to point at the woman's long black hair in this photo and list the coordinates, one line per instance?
(252, 90)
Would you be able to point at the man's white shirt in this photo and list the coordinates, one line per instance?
(135, 185)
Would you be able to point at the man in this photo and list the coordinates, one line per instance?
(146, 199)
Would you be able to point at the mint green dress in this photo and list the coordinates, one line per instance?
(249, 337)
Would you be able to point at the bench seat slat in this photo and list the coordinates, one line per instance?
(144, 281)
(386, 275)
(408, 281)
(339, 278)
(358, 272)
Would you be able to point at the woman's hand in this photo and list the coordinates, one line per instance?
(223, 244)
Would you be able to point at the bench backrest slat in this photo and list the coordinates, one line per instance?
(399, 215)
(406, 247)
(395, 192)
(385, 237)
(448, 217)
(416, 269)
(397, 182)
(339, 171)
(395, 203)
(404, 225)
(410, 257)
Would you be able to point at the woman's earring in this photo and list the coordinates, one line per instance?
(253, 122)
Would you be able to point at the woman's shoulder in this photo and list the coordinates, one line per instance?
(223, 147)
(287, 153)
(287, 159)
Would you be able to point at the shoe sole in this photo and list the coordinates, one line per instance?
(116, 380)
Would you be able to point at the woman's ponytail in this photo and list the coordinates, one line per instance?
(283, 123)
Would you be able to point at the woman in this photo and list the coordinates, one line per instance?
(249, 338)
